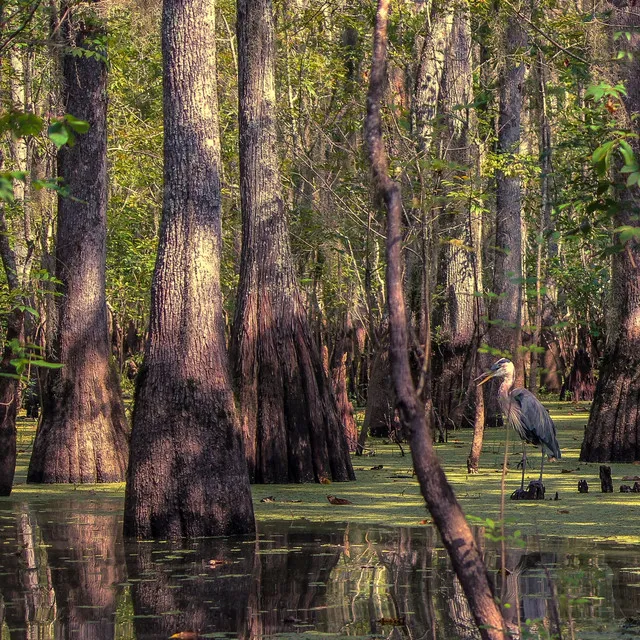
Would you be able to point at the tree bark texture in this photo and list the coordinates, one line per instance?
(613, 430)
(379, 413)
(9, 403)
(456, 321)
(338, 373)
(289, 417)
(83, 434)
(9, 387)
(473, 459)
(552, 360)
(580, 382)
(432, 47)
(506, 312)
(546, 206)
(187, 475)
(445, 509)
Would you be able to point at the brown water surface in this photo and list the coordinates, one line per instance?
(66, 573)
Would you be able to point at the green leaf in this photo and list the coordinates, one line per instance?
(13, 376)
(634, 178)
(6, 187)
(30, 310)
(595, 92)
(19, 364)
(627, 152)
(58, 133)
(628, 233)
(27, 124)
(79, 126)
(601, 152)
(47, 365)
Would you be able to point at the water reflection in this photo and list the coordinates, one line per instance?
(179, 590)
(66, 573)
(29, 605)
(85, 558)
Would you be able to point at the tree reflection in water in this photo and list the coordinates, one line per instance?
(27, 589)
(86, 558)
(242, 587)
(64, 576)
(60, 567)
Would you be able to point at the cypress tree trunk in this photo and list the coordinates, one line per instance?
(506, 312)
(459, 234)
(9, 403)
(546, 205)
(429, 72)
(187, 476)
(613, 430)
(379, 414)
(289, 417)
(83, 434)
(9, 387)
(16, 260)
(338, 373)
(505, 334)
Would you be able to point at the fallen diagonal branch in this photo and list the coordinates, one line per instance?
(441, 501)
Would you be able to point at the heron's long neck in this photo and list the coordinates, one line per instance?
(505, 386)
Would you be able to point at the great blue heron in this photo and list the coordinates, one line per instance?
(525, 413)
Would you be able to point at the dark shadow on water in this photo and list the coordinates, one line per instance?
(66, 573)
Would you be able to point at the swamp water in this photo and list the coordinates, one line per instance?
(65, 572)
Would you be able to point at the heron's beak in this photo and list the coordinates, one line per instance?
(486, 376)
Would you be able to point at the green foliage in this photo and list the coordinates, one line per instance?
(135, 161)
(63, 131)
(25, 357)
(495, 530)
(18, 125)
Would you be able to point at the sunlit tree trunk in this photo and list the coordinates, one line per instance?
(289, 417)
(458, 234)
(83, 436)
(9, 385)
(16, 254)
(432, 53)
(613, 430)
(187, 476)
(506, 312)
(338, 373)
(544, 220)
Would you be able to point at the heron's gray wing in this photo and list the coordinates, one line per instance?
(537, 425)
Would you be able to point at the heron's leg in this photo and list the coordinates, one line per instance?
(541, 466)
(524, 462)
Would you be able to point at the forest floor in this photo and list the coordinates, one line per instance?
(386, 492)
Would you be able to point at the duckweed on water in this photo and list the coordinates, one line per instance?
(385, 491)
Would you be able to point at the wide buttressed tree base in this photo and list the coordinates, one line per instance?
(187, 475)
(83, 436)
(290, 423)
(613, 430)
